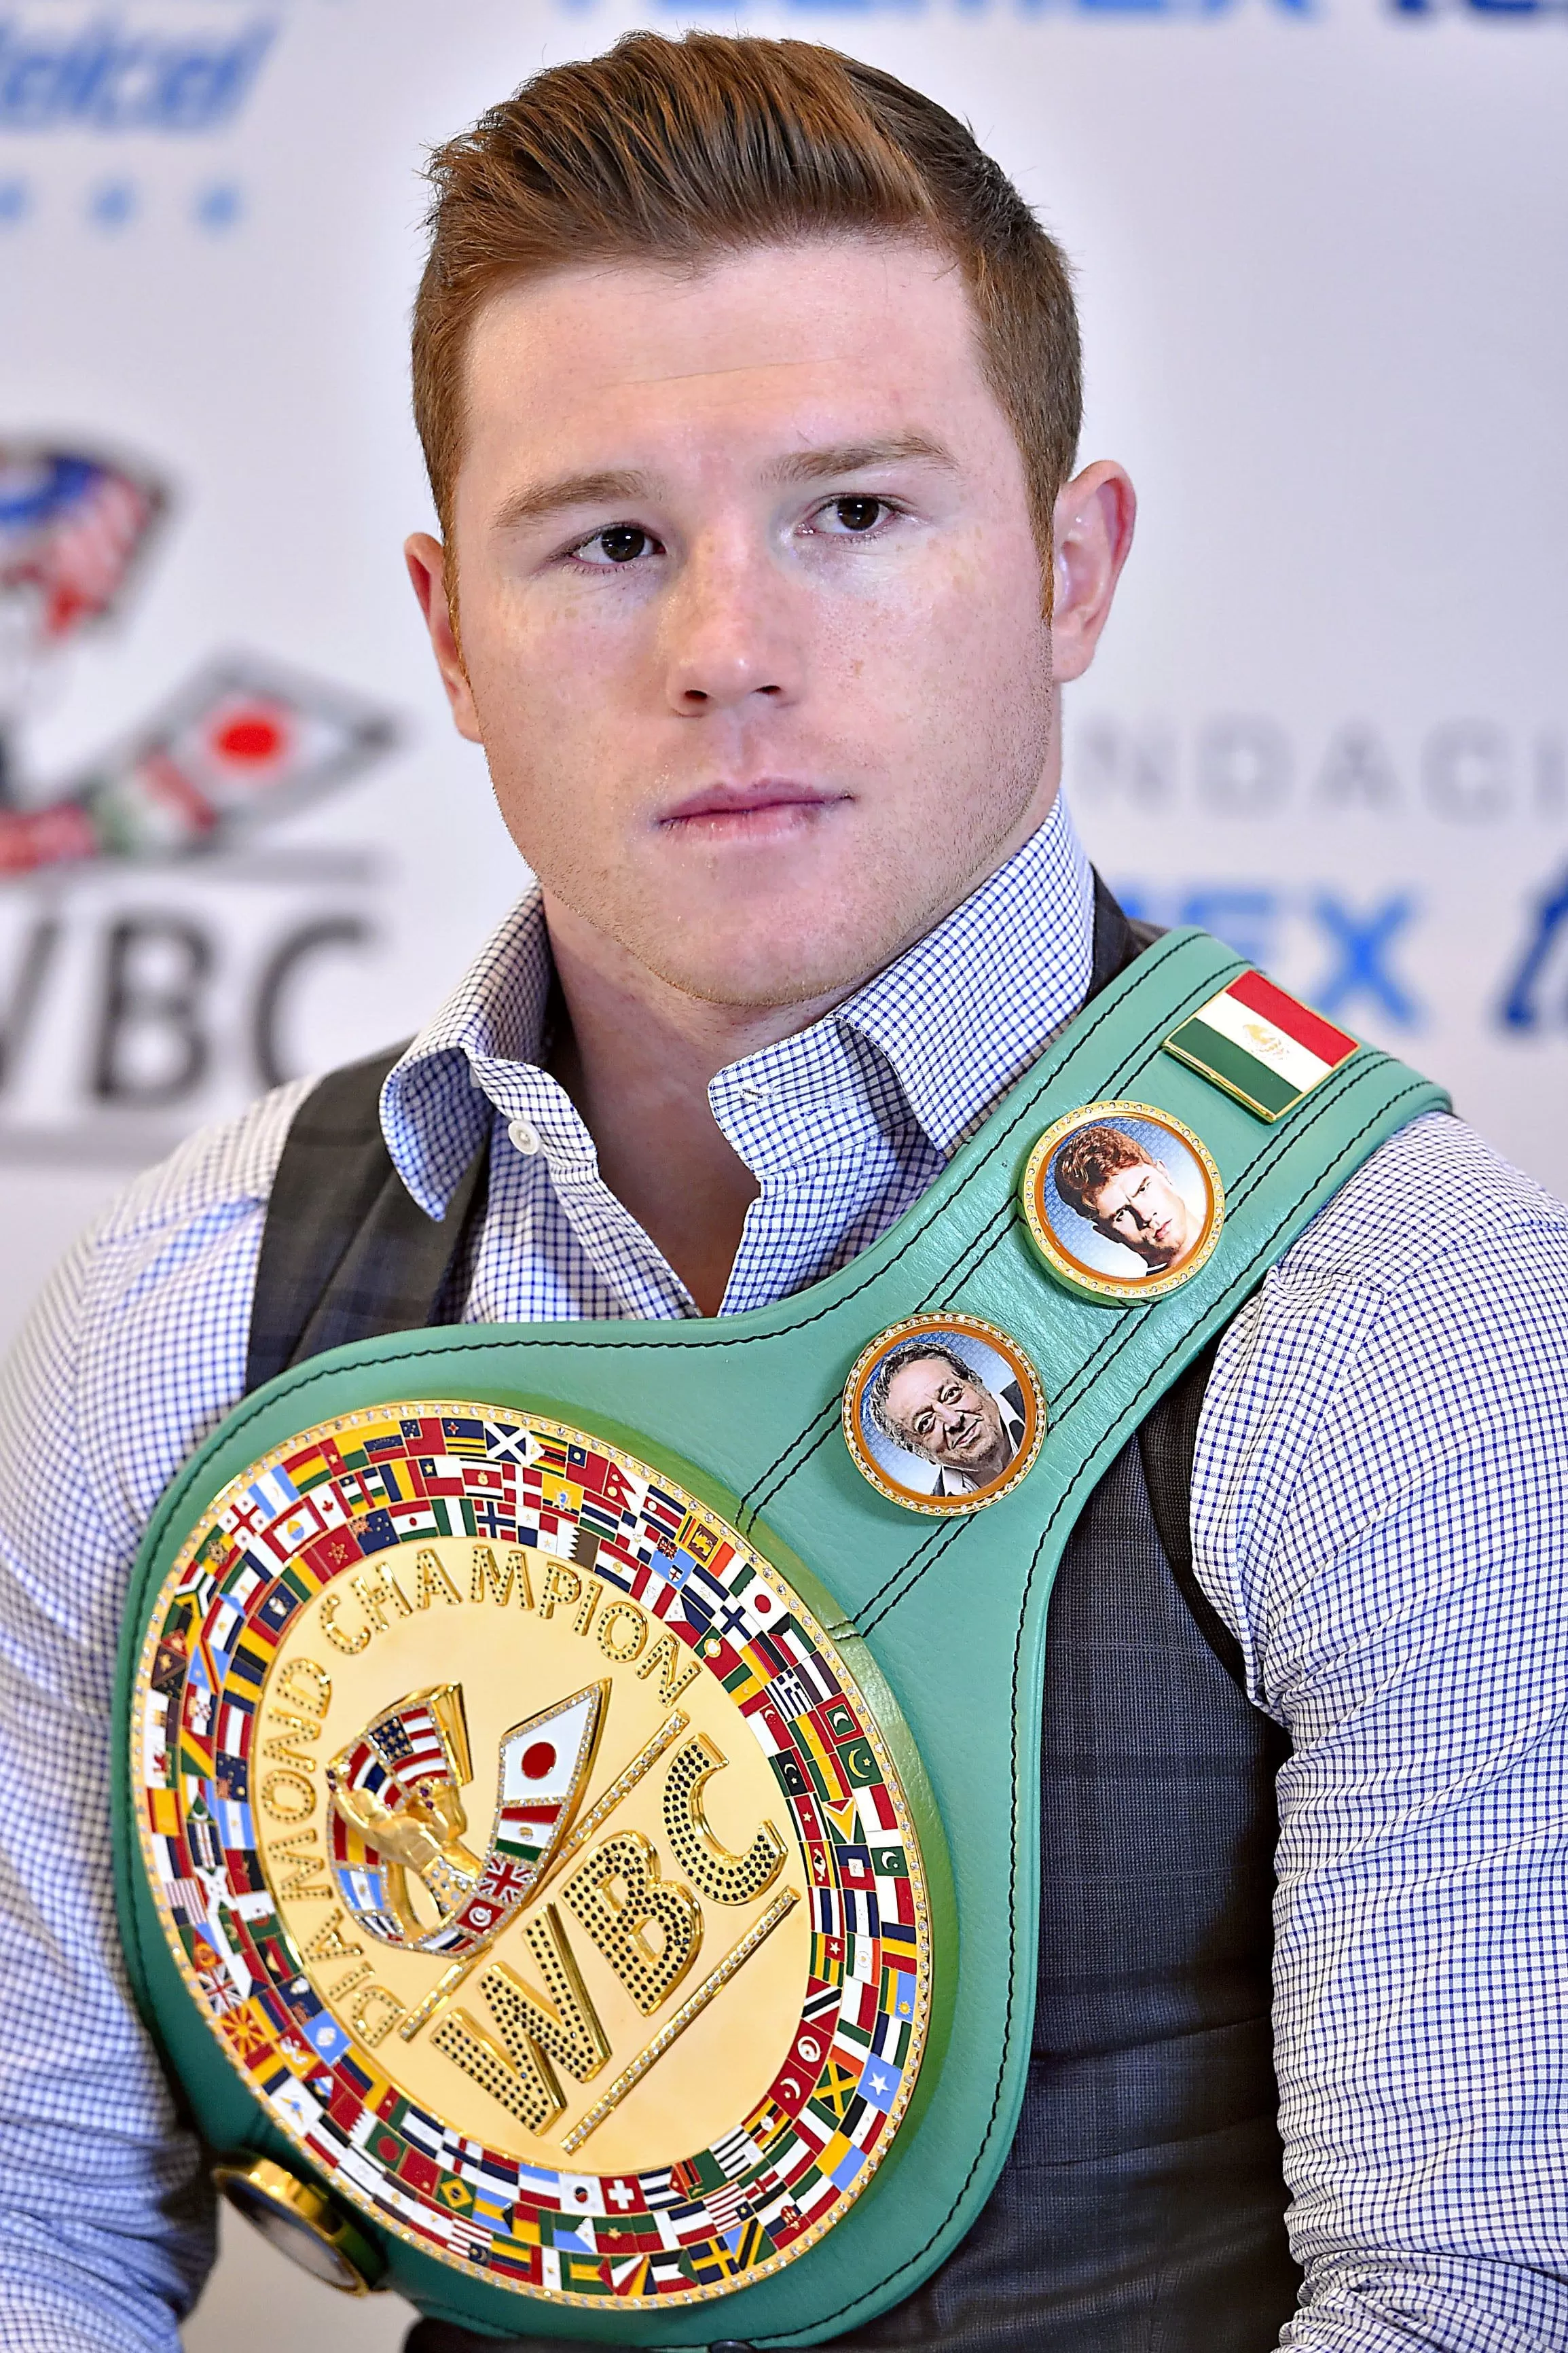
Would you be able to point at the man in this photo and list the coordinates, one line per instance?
(750, 391)
(1127, 1197)
(929, 1401)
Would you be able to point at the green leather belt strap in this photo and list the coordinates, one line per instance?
(946, 1615)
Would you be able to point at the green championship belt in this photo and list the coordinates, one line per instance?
(577, 1782)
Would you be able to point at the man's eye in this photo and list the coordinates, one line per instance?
(852, 518)
(623, 542)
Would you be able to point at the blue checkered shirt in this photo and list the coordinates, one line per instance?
(1378, 1515)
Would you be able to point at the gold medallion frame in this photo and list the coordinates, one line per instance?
(1075, 1273)
(935, 1326)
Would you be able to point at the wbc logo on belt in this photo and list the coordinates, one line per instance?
(509, 1814)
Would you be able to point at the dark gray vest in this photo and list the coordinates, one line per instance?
(1142, 2208)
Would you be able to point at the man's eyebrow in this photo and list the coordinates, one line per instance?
(856, 456)
(536, 502)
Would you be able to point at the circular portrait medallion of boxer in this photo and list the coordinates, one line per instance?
(1123, 1202)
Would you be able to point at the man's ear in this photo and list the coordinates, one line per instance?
(427, 560)
(1092, 531)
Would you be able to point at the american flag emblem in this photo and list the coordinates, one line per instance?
(71, 528)
(406, 1770)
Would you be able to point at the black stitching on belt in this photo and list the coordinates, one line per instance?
(1241, 1282)
(909, 2263)
(1110, 1347)
(1004, 1214)
(1118, 1334)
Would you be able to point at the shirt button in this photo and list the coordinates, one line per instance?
(523, 1133)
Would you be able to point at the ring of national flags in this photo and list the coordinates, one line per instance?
(713, 2219)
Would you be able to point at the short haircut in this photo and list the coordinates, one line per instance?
(1089, 1159)
(680, 151)
(907, 1352)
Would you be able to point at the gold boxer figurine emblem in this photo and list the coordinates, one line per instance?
(397, 1807)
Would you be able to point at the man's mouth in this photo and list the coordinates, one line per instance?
(769, 806)
(964, 1436)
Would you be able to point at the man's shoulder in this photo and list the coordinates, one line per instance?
(1432, 1197)
(1391, 1401)
(136, 1345)
(228, 1166)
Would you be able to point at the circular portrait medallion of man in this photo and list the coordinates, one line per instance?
(943, 1413)
(1122, 1201)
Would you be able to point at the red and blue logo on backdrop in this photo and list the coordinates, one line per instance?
(241, 744)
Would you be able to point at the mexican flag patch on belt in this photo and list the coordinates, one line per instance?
(1260, 1045)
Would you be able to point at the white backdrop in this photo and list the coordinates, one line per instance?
(1321, 246)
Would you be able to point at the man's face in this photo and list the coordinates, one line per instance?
(952, 1421)
(751, 610)
(1139, 1207)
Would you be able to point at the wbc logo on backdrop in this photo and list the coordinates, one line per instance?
(127, 883)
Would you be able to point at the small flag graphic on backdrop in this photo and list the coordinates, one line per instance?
(1259, 1045)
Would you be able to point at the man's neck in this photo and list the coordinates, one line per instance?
(637, 1055)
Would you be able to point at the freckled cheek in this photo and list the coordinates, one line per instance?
(552, 718)
(904, 654)
(557, 668)
(951, 630)
(992, 590)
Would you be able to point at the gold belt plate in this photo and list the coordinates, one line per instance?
(533, 1855)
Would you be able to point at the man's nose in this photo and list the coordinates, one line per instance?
(728, 631)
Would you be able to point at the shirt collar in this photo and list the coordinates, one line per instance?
(440, 1100)
(953, 1024)
(963, 1013)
